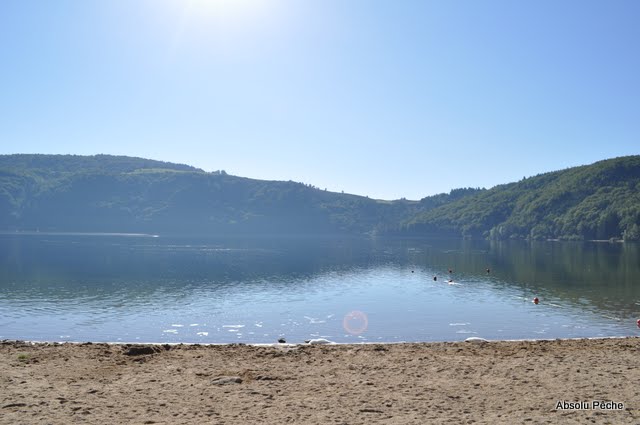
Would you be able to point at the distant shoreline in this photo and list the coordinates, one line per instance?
(38, 233)
(151, 235)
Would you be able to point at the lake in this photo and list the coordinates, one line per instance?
(134, 288)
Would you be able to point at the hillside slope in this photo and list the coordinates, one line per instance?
(106, 193)
(120, 194)
(598, 201)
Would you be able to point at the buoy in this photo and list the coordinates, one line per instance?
(411, 271)
(450, 271)
(536, 300)
(435, 278)
(638, 322)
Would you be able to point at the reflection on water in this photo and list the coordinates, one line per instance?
(93, 287)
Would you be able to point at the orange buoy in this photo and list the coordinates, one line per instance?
(536, 300)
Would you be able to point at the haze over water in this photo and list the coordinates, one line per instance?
(168, 289)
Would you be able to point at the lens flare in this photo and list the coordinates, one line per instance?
(355, 322)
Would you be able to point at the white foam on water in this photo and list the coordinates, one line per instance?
(170, 331)
(193, 324)
(612, 318)
(320, 341)
(178, 326)
(459, 324)
(330, 316)
(313, 320)
(258, 324)
(573, 326)
(203, 333)
(233, 326)
(464, 331)
(233, 330)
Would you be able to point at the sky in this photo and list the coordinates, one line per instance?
(386, 99)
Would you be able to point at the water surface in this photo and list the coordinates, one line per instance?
(159, 289)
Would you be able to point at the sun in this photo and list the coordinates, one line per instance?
(227, 9)
(230, 25)
(230, 17)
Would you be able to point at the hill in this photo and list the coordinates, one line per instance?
(598, 201)
(106, 193)
(103, 193)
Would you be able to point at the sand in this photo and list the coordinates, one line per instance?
(494, 382)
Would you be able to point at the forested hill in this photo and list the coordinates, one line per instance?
(102, 193)
(598, 201)
(58, 165)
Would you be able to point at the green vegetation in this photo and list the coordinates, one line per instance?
(105, 193)
(598, 201)
(23, 358)
(120, 194)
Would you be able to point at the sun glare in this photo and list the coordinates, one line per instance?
(230, 19)
(228, 10)
(228, 23)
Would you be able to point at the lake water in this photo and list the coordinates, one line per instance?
(159, 289)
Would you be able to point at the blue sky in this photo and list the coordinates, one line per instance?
(387, 99)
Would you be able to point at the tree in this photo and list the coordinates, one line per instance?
(632, 233)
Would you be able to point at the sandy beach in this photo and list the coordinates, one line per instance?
(492, 382)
